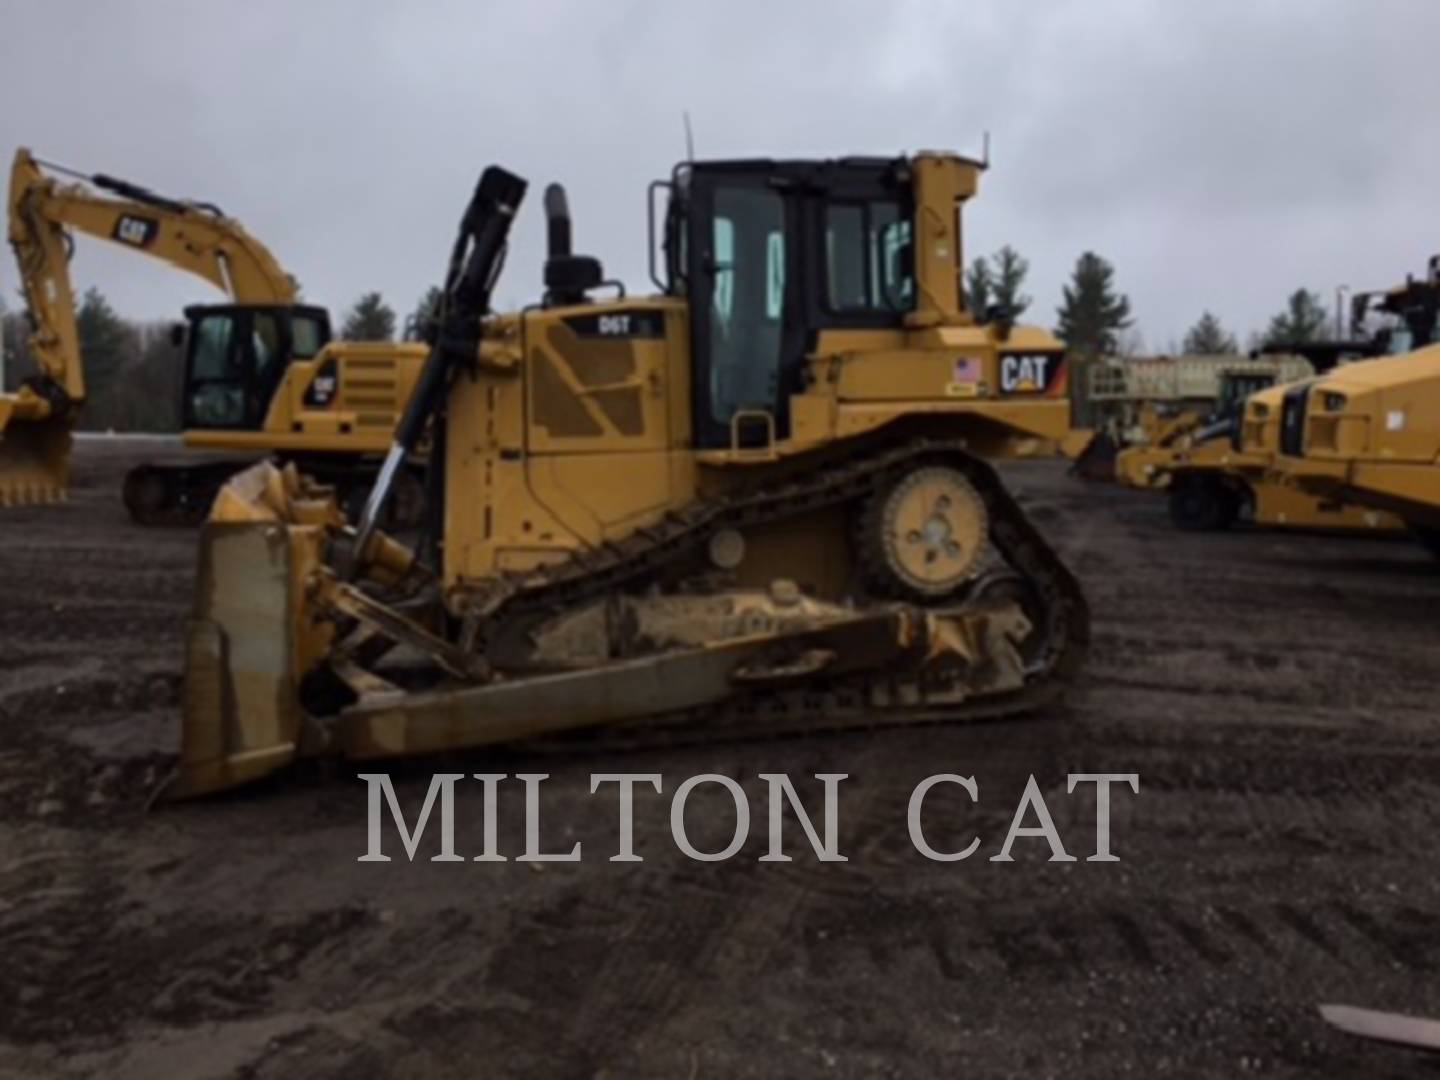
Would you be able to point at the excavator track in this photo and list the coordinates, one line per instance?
(647, 555)
(175, 495)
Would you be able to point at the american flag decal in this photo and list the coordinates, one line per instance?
(967, 370)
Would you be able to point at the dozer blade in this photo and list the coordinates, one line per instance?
(241, 715)
(34, 458)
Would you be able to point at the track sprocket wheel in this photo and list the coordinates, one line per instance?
(923, 534)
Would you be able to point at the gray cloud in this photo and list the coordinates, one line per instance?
(1219, 154)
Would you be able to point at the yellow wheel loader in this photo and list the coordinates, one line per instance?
(1158, 401)
(262, 376)
(1213, 475)
(1366, 435)
(1223, 469)
(1223, 473)
(760, 501)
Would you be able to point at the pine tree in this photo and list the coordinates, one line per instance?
(1092, 314)
(1304, 319)
(977, 288)
(154, 389)
(371, 319)
(427, 309)
(1009, 268)
(110, 350)
(995, 283)
(1208, 338)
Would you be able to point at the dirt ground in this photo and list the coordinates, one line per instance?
(1275, 694)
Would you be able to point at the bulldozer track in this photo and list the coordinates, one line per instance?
(678, 541)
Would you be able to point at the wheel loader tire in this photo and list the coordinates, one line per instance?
(1202, 504)
(922, 535)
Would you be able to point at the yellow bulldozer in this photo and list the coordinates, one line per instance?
(760, 501)
(262, 375)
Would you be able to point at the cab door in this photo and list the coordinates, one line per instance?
(739, 289)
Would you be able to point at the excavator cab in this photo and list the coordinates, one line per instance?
(236, 357)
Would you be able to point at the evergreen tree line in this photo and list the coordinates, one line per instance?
(1093, 314)
(134, 371)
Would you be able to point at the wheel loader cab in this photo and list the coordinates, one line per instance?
(770, 255)
(236, 357)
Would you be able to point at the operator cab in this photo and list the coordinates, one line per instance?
(236, 357)
(770, 253)
(1235, 388)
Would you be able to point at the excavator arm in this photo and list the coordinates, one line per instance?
(36, 420)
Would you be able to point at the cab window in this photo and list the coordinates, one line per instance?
(214, 356)
(307, 336)
(217, 375)
(747, 300)
(868, 255)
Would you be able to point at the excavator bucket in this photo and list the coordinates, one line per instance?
(1096, 460)
(34, 457)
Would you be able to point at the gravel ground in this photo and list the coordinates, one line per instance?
(1275, 694)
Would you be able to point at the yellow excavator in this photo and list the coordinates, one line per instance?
(760, 501)
(262, 376)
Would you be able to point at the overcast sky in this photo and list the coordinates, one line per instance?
(1219, 153)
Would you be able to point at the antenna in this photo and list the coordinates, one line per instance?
(689, 138)
(985, 150)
